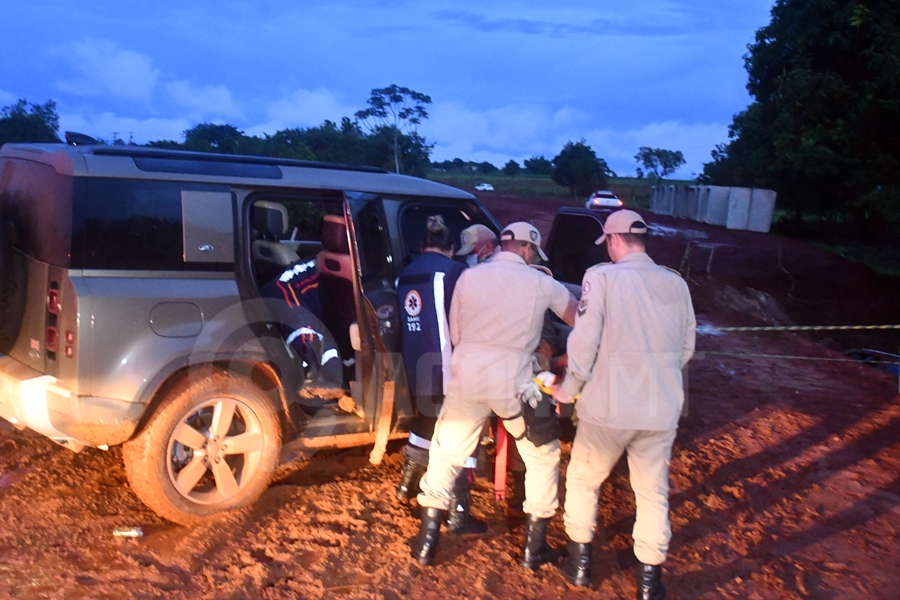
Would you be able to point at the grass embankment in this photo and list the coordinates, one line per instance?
(635, 192)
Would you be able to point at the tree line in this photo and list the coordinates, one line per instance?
(823, 129)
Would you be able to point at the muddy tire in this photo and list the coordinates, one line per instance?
(211, 446)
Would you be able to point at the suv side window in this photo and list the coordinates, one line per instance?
(372, 243)
(134, 224)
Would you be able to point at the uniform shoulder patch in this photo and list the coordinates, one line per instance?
(582, 306)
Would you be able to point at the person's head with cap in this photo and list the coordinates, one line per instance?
(624, 232)
(523, 239)
(478, 242)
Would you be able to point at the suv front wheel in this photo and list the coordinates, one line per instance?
(212, 446)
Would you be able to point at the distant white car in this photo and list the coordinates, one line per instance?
(603, 198)
(484, 187)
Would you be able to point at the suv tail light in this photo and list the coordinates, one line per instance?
(52, 339)
(53, 301)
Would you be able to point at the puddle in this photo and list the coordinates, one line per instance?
(672, 232)
(704, 328)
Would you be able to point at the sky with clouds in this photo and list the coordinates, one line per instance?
(508, 79)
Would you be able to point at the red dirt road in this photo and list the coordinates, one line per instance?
(784, 475)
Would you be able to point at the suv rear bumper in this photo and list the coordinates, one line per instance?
(31, 399)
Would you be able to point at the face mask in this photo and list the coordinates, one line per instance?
(471, 260)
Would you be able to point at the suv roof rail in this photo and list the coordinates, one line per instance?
(145, 152)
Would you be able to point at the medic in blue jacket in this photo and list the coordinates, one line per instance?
(425, 289)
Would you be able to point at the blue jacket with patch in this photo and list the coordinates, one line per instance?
(425, 288)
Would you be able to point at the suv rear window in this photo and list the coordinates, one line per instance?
(134, 224)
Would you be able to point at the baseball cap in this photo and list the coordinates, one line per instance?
(622, 221)
(523, 232)
(472, 235)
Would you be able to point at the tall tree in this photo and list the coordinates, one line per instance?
(578, 168)
(396, 111)
(662, 162)
(208, 137)
(824, 129)
(538, 165)
(511, 168)
(28, 122)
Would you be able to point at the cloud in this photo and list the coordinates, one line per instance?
(107, 70)
(694, 140)
(518, 132)
(210, 101)
(6, 98)
(303, 108)
(108, 125)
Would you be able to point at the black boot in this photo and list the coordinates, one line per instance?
(459, 519)
(577, 567)
(649, 584)
(514, 508)
(426, 543)
(537, 551)
(409, 479)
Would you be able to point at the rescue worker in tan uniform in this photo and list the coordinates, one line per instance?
(495, 324)
(633, 335)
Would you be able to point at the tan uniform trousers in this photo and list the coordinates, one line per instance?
(456, 436)
(594, 454)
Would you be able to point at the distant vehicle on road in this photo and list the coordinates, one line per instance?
(603, 198)
(484, 187)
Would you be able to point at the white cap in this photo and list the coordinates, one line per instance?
(523, 232)
(472, 235)
(622, 221)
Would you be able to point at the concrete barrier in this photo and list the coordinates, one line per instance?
(762, 207)
(717, 209)
(738, 208)
(732, 207)
(702, 202)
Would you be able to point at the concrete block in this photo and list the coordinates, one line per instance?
(702, 203)
(717, 208)
(681, 201)
(738, 208)
(692, 192)
(762, 206)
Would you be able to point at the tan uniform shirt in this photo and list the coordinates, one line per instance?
(634, 332)
(496, 317)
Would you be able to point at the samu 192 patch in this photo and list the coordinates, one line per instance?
(582, 307)
(412, 303)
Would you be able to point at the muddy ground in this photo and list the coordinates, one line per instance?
(784, 473)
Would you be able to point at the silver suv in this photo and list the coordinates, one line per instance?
(131, 309)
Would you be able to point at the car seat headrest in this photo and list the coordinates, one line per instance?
(334, 234)
(269, 218)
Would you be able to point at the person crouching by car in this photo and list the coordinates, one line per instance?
(425, 288)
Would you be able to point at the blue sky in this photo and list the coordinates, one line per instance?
(508, 80)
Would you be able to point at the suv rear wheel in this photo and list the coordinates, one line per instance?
(212, 446)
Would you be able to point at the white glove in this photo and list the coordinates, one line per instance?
(546, 378)
(529, 393)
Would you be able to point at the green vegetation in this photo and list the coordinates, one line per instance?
(823, 128)
(27, 122)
